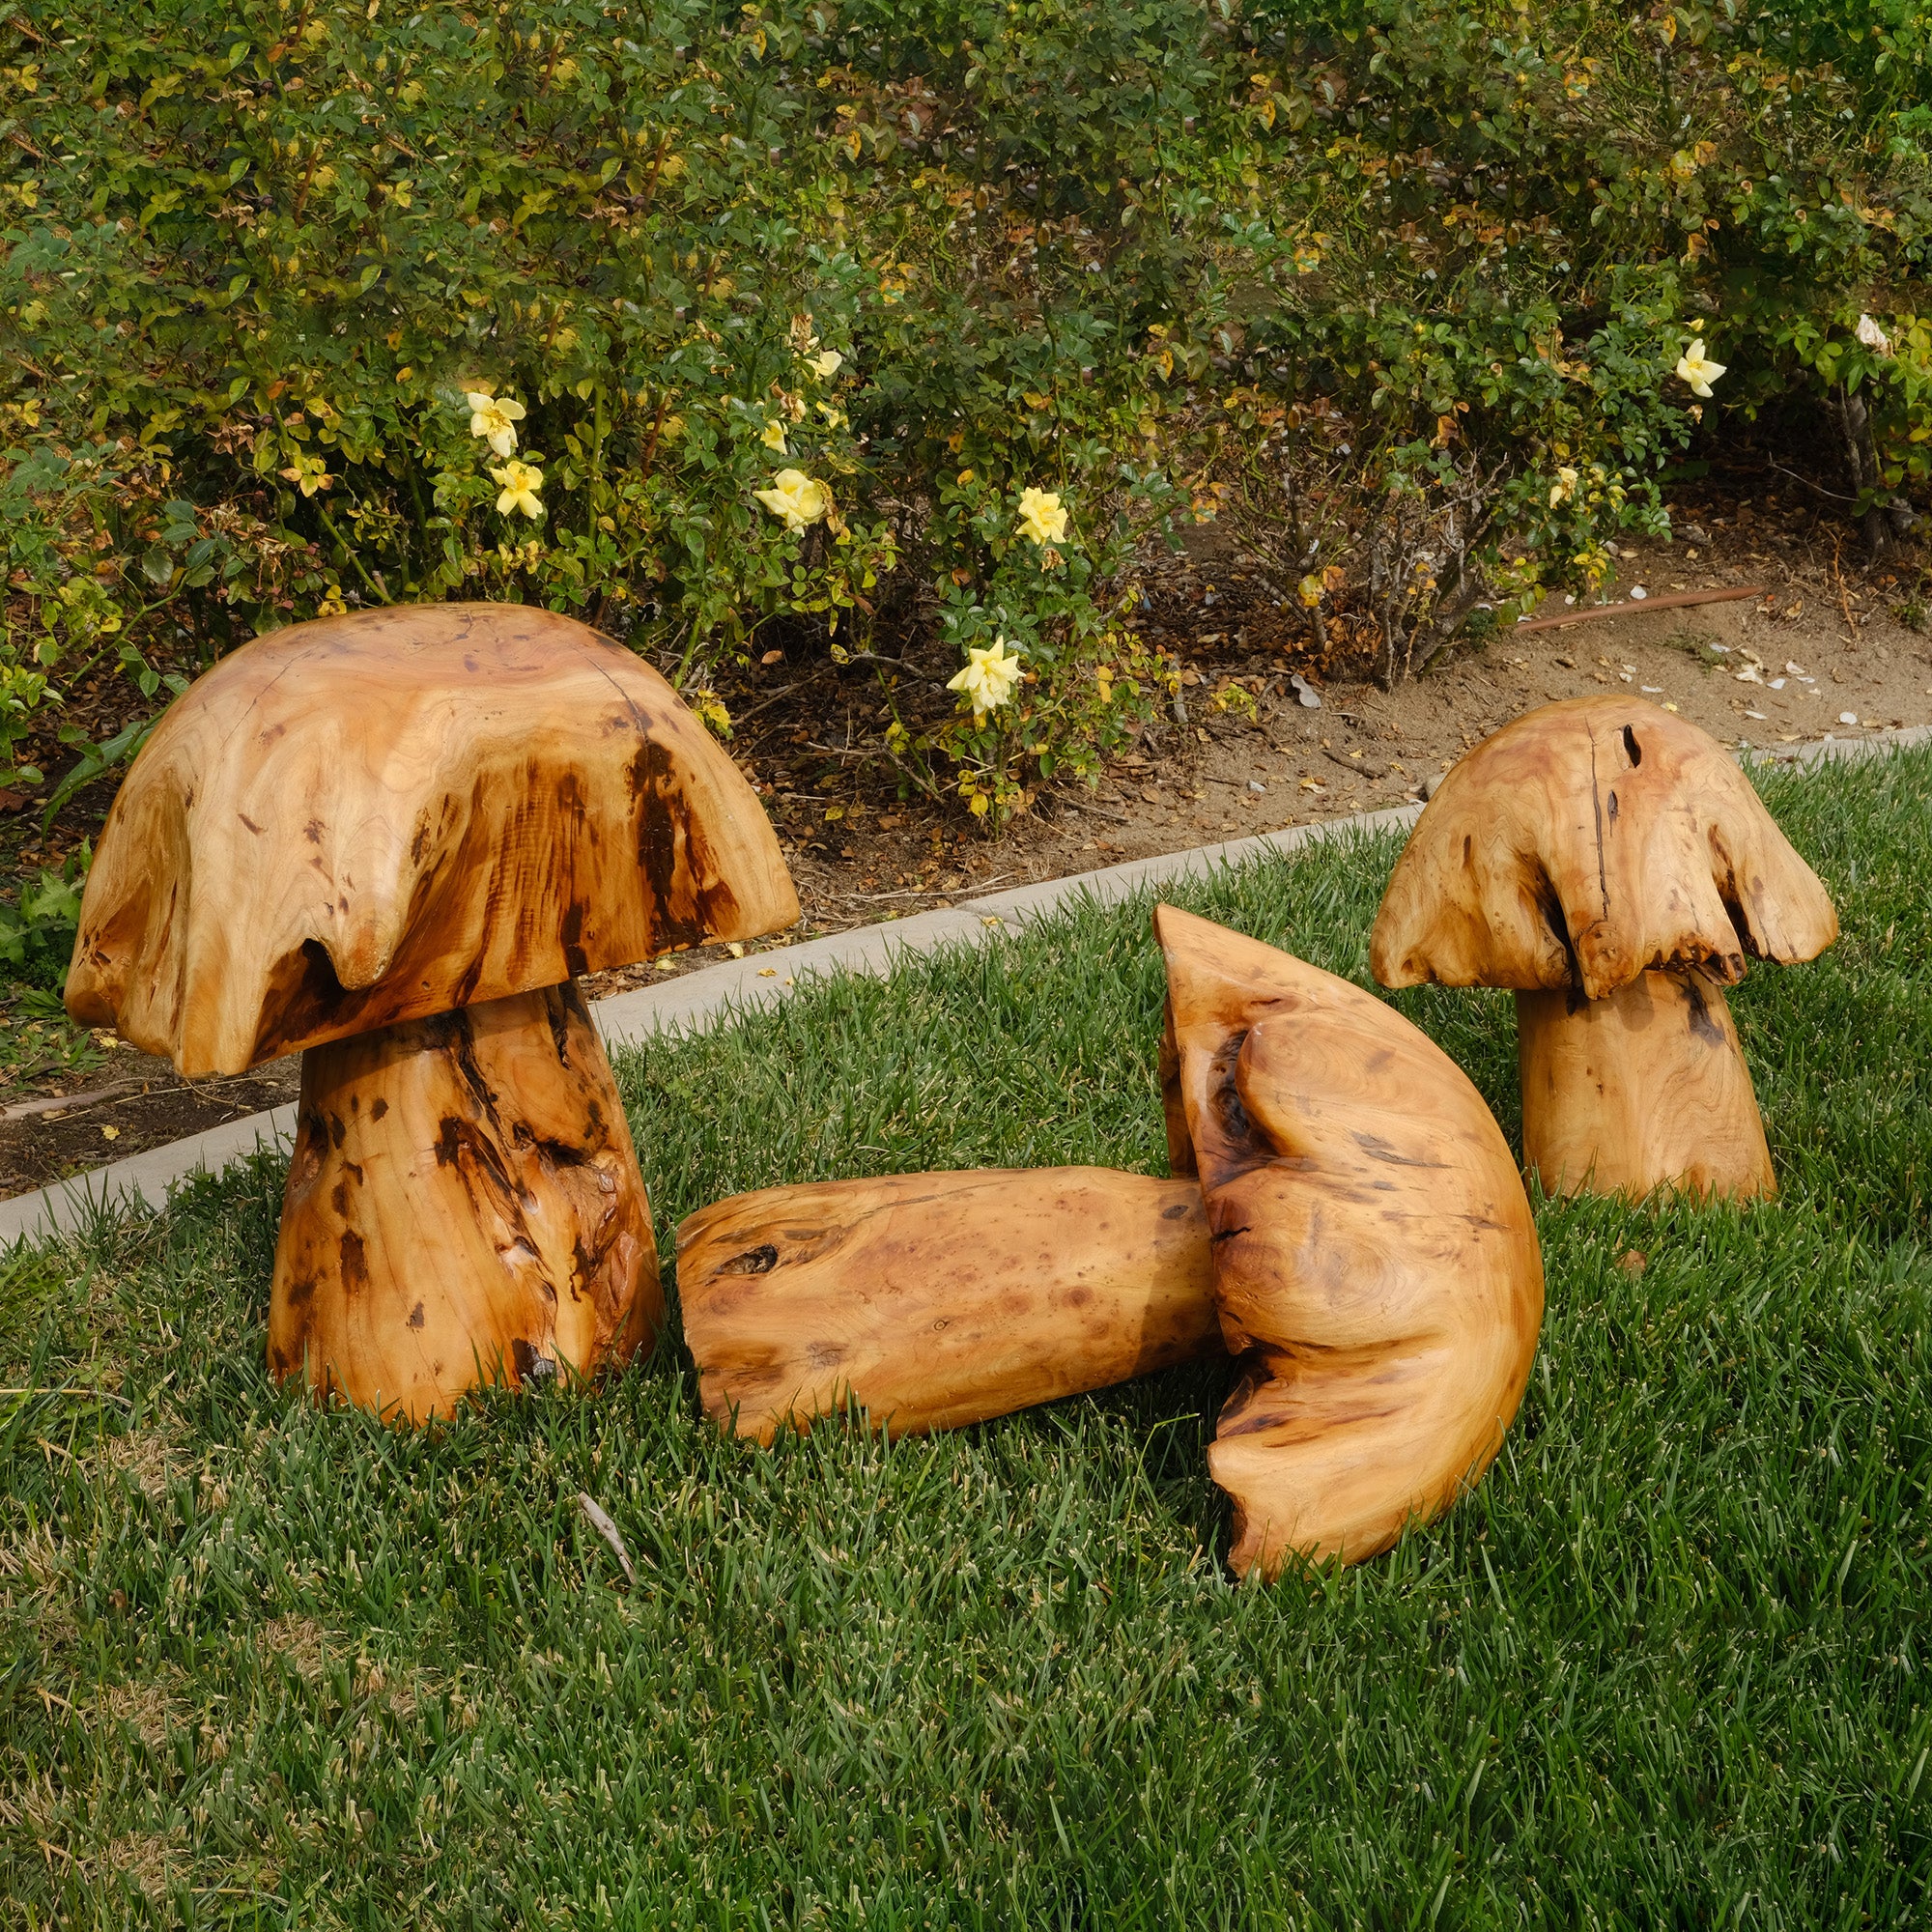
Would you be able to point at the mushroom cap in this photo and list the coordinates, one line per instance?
(1589, 842)
(1376, 1265)
(387, 815)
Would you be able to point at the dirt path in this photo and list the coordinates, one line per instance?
(1822, 651)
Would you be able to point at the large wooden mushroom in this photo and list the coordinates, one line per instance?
(394, 841)
(1613, 864)
(1347, 1218)
(1376, 1270)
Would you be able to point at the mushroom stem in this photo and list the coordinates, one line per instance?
(937, 1300)
(1643, 1088)
(464, 1206)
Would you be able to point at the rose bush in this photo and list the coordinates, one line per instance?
(912, 319)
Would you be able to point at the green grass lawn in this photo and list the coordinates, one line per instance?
(269, 1667)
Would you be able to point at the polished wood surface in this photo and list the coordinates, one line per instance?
(936, 1299)
(1613, 865)
(1376, 1266)
(464, 1206)
(1589, 842)
(377, 817)
(1642, 1090)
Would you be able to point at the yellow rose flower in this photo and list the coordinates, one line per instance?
(1697, 369)
(1041, 517)
(773, 437)
(827, 366)
(520, 483)
(495, 418)
(1564, 487)
(989, 678)
(800, 500)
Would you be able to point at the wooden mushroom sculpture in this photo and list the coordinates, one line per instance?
(938, 1299)
(1376, 1270)
(1611, 864)
(395, 840)
(1349, 1221)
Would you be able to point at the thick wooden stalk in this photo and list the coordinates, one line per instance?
(464, 1206)
(1644, 1089)
(937, 1300)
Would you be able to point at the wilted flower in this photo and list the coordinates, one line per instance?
(1564, 487)
(797, 497)
(1042, 517)
(1873, 336)
(989, 677)
(827, 366)
(773, 437)
(495, 418)
(1697, 369)
(520, 482)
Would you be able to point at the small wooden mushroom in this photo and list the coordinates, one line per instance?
(1376, 1267)
(395, 841)
(937, 1300)
(1611, 864)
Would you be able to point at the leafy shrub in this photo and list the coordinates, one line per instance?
(37, 932)
(1399, 285)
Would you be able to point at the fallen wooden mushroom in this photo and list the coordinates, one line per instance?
(1364, 1245)
(1613, 864)
(938, 1299)
(1376, 1270)
(395, 841)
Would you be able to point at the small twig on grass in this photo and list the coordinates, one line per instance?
(1677, 601)
(607, 1530)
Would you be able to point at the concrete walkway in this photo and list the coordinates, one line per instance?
(694, 999)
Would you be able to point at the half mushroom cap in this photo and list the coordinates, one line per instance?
(1376, 1266)
(384, 816)
(1588, 842)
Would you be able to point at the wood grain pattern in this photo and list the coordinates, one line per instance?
(1642, 1090)
(1376, 1267)
(377, 817)
(1585, 843)
(464, 1206)
(937, 1300)
(1581, 854)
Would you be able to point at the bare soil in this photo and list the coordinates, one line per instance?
(1824, 648)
